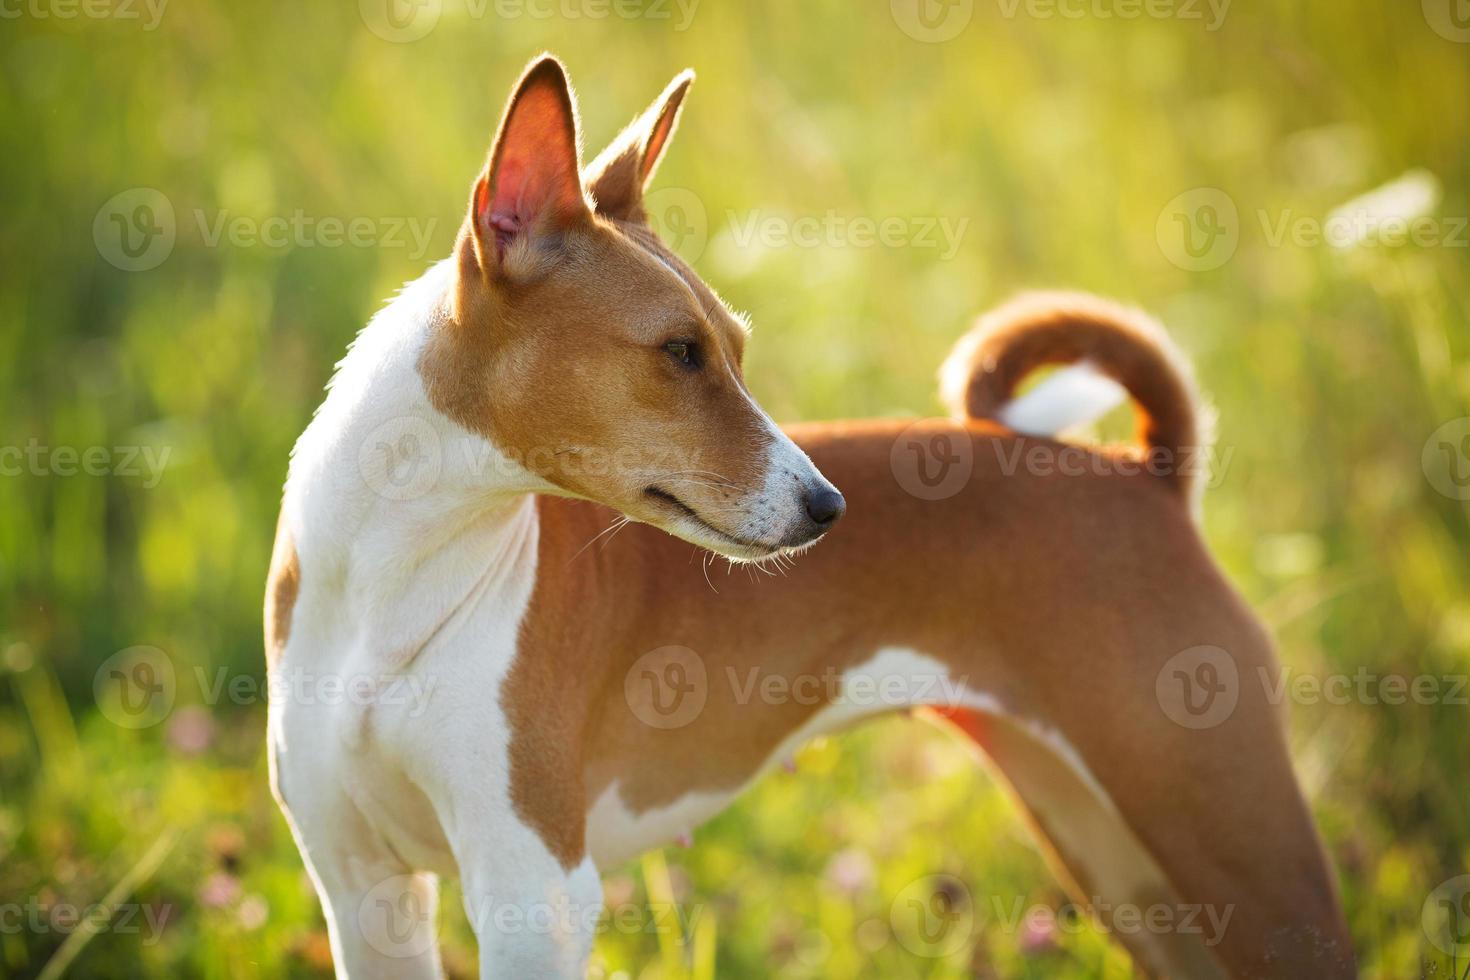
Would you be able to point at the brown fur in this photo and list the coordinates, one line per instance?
(567, 372)
(1063, 328)
(990, 582)
(619, 174)
(283, 585)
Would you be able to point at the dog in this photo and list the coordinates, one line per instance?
(517, 706)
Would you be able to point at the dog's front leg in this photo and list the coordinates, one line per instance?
(515, 827)
(534, 917)
(381, 914)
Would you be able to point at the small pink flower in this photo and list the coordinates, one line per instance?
(219, 890)
(191, 731)
(850, 872)
(1038, 932)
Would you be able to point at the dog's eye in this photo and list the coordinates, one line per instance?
(684, 352)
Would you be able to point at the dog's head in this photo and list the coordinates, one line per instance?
(588, 352)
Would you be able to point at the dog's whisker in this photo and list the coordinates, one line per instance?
(617, 525)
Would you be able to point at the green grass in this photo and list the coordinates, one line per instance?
(1057, 142)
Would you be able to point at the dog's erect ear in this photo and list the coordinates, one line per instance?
(531, 189)
(620, 173)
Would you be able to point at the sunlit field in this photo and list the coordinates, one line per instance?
(205, 201)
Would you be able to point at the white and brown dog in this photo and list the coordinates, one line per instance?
(501, 680)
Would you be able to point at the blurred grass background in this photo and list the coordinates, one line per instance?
(1060, 141)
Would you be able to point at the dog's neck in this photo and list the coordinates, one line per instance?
(388, 497)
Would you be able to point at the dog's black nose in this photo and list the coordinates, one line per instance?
(824, 505)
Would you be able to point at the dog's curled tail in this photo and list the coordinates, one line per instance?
(1111, 352)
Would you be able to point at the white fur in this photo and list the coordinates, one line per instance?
(1077, 393)
(429, 579)
(1071, 396)
(615, 833)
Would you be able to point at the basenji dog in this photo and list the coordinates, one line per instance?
(469, 678)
